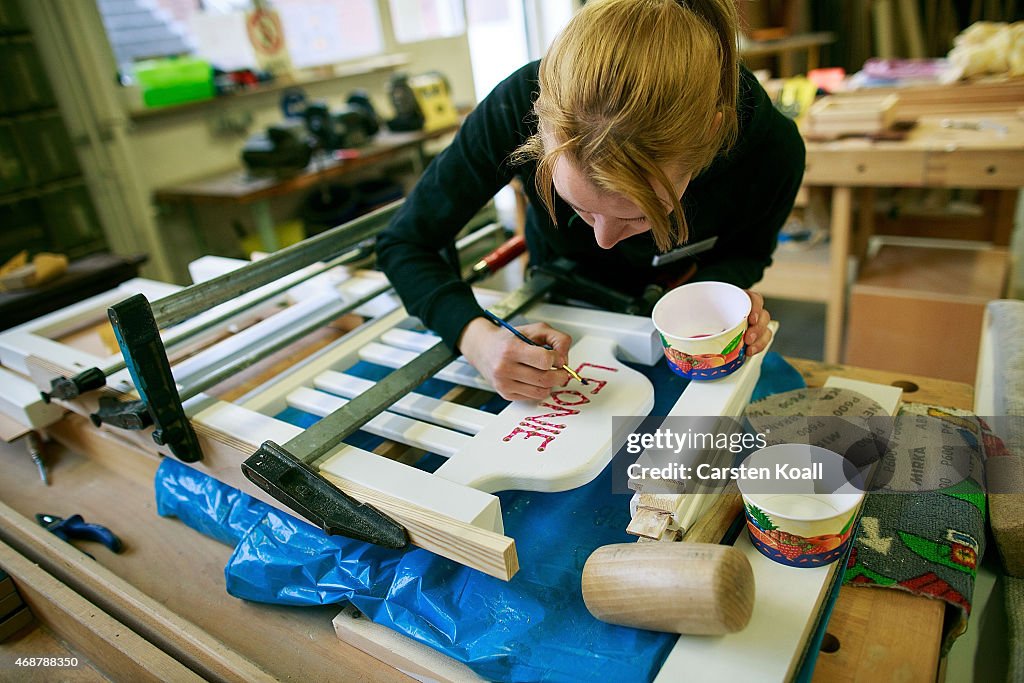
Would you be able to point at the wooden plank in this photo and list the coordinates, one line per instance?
(42, 642)
(783, 618)
(394, 649)
(858, 163)
(987, 168)
(183, 640)
(168, 585)
(916, 389)
(466, 544)
(11, 430)
(114, 648)
(909, 650)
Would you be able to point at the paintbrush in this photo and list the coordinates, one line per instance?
(502, 323)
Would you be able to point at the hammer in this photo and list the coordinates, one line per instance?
(677, 587)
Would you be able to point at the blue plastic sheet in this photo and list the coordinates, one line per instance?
(534, 627)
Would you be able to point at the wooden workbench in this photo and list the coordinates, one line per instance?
(241, 188)
(169, 588)
(991, 158)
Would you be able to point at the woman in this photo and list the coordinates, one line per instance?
(637, 134)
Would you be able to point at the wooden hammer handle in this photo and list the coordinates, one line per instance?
(696, 588)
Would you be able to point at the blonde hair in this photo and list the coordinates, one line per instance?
(634, 86)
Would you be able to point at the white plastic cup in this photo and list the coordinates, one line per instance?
(801, 522)
(702, 326)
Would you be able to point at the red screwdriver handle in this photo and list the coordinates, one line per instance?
(499, 258)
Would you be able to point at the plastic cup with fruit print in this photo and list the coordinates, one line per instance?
(801, 509)
(702, 326)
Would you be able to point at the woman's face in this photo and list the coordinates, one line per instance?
(612, 216)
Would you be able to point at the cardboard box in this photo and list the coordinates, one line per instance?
(919, 309)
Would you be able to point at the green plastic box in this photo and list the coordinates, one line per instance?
(174, 80)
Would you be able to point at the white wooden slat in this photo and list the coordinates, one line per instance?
(636, 339)
(364, 468)
(223, 352)
(418, 406)
(269, 398)
(457, 372)
(431, 438)
(20, 401)
(786, 603)
(409, 340)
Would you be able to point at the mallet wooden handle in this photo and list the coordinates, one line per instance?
(695, 588)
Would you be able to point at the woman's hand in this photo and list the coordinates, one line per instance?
(515, 369)
(758, 335)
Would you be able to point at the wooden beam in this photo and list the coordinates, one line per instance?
(110, 646)
(180, 638)
(466, 544)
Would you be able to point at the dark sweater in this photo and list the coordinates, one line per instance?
(744, 198)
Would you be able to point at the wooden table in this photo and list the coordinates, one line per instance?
(168, 586)
(932, 155)
(241, 188)
(785, 48)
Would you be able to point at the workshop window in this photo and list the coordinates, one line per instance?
(415, 20)
(317, 32)
(320, 32)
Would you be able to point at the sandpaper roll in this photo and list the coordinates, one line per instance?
(692, 588)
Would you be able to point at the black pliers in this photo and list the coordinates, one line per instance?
(76, 527)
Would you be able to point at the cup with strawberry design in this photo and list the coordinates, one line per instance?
(800, 521)
(701, 326)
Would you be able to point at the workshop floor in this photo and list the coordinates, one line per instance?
(801, 328)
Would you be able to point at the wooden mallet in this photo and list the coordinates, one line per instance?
(692, 588)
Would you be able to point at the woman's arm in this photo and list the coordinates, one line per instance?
(453, 188)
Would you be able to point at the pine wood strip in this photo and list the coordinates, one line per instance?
(109, 645)
(916, 389)
(466, 544)
(908, 650)
(394, 649)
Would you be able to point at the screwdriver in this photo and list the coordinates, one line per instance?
(502, 323)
